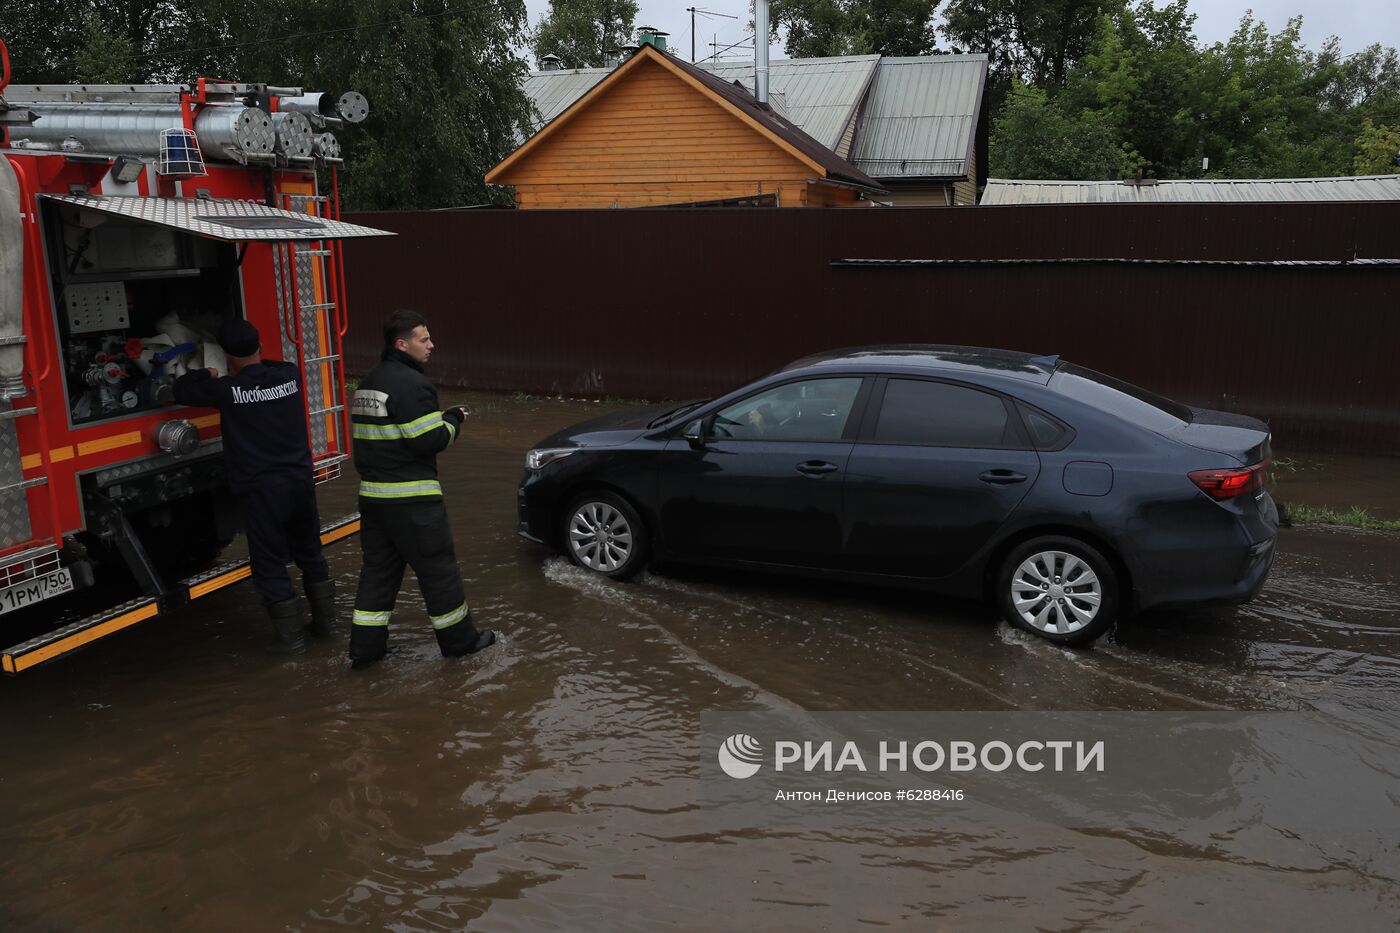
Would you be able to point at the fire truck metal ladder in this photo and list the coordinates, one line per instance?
(29, 557)
(311, 335)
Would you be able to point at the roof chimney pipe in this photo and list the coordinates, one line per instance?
(760, 51)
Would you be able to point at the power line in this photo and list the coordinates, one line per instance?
(291, 36)
(726, 48)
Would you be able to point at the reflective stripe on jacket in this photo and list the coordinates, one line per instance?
(398, 430)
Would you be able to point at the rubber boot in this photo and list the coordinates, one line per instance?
(369, 644)
(320, 595)
(288, 632)
(463, 639)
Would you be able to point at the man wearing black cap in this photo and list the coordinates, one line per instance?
(269, 463)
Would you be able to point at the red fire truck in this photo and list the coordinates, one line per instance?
(133, 220)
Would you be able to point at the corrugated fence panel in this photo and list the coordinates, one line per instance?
(687, 303)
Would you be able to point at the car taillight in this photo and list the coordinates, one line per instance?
(1230, 482)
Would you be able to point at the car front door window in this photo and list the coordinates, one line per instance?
(814, 410)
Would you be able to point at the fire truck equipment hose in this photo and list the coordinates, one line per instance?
(224, 131)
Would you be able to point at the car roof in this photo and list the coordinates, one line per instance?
(933, 358)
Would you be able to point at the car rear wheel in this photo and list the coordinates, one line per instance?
(1058, 588)
(604, 533)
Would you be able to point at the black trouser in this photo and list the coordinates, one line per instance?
(412, 532)
(280, 518)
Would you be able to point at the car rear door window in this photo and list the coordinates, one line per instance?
(940, 414)
(813, 410)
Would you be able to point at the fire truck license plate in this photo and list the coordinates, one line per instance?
(35, 591)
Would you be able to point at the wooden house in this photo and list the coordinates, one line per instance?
(659, 131)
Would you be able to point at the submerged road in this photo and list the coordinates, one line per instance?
(177, 778)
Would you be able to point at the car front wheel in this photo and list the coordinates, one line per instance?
(1059, 588)
(604, 533)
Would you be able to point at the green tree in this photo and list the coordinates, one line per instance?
(1040, 137)
(444, 77)
(1033, 41)
(581, 32)
(817, 28)
(1377, 150)
(105, 57)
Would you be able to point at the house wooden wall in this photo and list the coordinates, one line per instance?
(654, 139)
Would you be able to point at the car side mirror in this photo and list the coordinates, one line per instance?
(694, 434)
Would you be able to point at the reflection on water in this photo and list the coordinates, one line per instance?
(174, 777)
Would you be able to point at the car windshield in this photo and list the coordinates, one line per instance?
(1127, 401)
(675, 412)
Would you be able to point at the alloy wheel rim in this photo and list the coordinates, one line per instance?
(1056, 592)
(600, 537)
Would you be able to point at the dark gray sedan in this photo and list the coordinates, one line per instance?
(1067, 498)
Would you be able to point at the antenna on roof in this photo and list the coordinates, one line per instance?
(696, 10)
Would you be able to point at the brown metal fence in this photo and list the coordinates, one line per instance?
(665, 304)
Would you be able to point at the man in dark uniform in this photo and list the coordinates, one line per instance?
(398, 433)
(269, 462)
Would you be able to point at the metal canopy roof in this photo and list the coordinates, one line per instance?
(1223, 190)
(921, 116)
(230, 221)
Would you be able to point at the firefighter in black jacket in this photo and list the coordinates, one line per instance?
(263, 419)
(398, 433)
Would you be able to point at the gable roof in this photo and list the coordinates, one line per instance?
(920, 118)
(821, 95)
(782, 132)
(1357, 188)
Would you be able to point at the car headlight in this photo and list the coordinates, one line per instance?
(542, 457)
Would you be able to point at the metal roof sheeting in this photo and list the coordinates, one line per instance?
(918, 121)
(554, 91)
(920, 116)
(1360, 188)
(819, 94)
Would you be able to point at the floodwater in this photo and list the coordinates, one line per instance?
(176, 778)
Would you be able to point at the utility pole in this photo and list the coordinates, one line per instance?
(692, 11)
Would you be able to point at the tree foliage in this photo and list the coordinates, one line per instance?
(1032, 41)
(443, 76)
(816, 28)
(1035, 138)
(581, 32)
(1377, 149)
(1258, 105)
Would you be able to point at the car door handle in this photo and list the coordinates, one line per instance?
(816, 467)
(1002, 477)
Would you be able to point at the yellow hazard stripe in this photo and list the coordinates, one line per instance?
(57, 455)
(227, 578)
(15, 665)
(108, 443)
(344, 531)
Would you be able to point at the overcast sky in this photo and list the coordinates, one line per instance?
(1357, 22)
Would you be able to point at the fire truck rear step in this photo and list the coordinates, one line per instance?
(30, 654)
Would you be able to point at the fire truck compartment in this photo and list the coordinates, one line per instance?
(137, 306)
